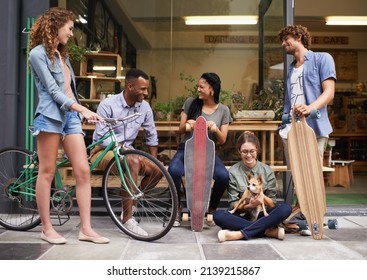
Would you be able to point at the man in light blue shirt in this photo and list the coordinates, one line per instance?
(130, 101)
(310, 84)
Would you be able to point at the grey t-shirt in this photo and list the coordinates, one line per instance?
(220, 116)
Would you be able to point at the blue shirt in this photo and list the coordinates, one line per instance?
(116, 107)
(317, 67)
(50, 84)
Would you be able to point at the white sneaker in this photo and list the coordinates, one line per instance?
(178, 219)
(133, 210)
(177, 223)
(211, 223)
(209, 218)
(305, 232)
(133, 226)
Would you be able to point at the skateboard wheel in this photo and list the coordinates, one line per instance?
(332, 224)
(185, 217)
(302, 225)
(315, 114)
(286, 118)
(209, 218)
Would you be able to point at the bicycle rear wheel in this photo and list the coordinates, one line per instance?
(18, 173)
(153, 207)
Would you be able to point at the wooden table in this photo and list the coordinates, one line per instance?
(266, 128)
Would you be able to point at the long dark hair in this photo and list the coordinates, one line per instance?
(196, 106)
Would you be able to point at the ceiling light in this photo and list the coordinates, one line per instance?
(221, 20)
(344, 20)
(105, 68)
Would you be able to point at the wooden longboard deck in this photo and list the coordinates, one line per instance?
(199, 168)
(307, 174)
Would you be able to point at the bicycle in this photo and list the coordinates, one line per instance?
(154, 195)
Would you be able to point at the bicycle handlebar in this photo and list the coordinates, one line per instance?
(117, 120)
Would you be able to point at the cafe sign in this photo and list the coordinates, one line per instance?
(242, 39)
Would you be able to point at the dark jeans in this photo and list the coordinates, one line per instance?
(235, 222)
(221, 177)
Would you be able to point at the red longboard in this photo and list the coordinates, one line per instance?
(199, 168)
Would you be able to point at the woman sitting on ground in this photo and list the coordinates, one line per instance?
(235, 226)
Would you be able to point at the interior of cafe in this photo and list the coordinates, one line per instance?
(171, 42)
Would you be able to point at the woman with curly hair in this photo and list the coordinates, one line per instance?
(58, 117)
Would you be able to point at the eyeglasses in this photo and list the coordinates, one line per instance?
(246, 152)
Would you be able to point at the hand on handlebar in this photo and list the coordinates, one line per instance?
(91, 116)
(113, 121)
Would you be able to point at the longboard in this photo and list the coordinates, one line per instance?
(199, 168)
(307, 174)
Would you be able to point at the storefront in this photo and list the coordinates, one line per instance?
(154, 36)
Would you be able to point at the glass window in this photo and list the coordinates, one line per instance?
(154, 36)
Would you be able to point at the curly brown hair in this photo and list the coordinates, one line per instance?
(45, 30)
(248, 137)
(296, 31)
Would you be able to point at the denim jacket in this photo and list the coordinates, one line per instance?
(49, 80)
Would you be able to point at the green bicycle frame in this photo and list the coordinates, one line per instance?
(29, 176)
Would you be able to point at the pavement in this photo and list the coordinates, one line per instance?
(183, 253)
(347, 242)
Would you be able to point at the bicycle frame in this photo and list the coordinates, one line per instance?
(23, 187)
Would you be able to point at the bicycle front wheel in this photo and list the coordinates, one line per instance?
(18, 173)
(143, 203)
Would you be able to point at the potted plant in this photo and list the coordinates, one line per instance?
(77, 55)
(267, 103)
(76, 52)
(162, 111)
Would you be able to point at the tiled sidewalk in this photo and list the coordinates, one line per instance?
(348, 242)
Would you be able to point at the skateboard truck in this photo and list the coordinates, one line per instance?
(315, 228)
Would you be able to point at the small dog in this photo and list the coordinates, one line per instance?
(253, 190)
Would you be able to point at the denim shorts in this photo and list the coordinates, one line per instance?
(71, 126)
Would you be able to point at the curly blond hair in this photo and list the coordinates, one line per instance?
(45, 30)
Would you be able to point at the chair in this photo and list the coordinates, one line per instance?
(343, 174)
